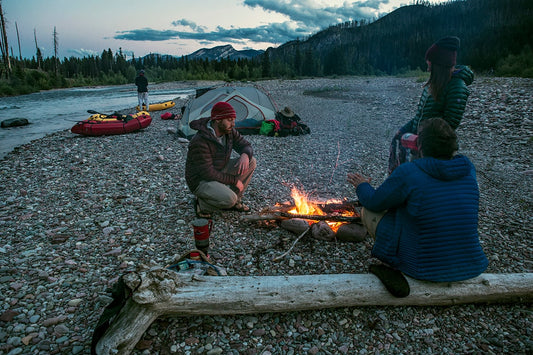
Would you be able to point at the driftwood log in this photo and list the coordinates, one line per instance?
(161, 292)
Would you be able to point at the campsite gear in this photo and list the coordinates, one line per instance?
(409, 141)
(290, 123)
(99, 125)
(169, 116)
(195, 255)
(158, 107)
(269, 128)
(202, 229)
(201, 266)
(252, 106)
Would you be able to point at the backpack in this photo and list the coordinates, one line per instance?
(291, 125)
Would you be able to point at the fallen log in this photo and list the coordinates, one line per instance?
(161, 292)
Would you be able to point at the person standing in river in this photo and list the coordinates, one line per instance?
(444, 95)
(142, 91)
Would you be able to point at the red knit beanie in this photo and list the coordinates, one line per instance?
(444, 51)
(222, 110)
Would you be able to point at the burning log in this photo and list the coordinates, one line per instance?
(280, 216)
(161, 292)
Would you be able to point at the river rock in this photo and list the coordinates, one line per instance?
(14, 122)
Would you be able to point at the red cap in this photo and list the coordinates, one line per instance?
(222, 110)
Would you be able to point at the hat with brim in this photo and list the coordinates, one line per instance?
(287, 112)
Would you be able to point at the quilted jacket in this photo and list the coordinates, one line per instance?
(450, 107)
(430, 229)
(207, 157)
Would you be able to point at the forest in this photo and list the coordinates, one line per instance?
(496, 39)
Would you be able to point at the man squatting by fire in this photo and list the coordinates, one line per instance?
(424, 216)
(217, 180)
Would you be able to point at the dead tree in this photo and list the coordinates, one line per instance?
(3, 43)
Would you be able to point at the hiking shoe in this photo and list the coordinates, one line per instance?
(393, 280)
(199, 212)
(240, 207)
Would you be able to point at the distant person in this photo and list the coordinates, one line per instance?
(142, 91)
(424, 216)
(444, 95)
(217, 180)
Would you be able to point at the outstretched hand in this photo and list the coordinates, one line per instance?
(355, 179)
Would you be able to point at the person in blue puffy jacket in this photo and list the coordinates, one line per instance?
(424, 217)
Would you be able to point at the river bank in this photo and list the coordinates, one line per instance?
(76, 212)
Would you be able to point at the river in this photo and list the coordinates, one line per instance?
(56, 110)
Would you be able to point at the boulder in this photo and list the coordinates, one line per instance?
(14, 122)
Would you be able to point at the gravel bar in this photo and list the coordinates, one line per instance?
(76, 212)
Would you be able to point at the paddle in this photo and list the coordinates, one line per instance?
(114, 115)
(99, 113)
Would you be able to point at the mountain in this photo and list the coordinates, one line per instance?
(224, 52)
(490, 30)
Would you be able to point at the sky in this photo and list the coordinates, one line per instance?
(175, 27)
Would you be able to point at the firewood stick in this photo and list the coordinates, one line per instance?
(332, 218)
(278, 258)
(263, 217)
(279, 216)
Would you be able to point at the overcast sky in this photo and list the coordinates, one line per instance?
(175, 27)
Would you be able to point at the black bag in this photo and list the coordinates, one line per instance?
(291, 125)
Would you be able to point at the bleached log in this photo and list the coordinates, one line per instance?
(167, 293)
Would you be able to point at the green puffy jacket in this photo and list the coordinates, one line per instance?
(452, 105)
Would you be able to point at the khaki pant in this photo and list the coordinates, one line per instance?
(213, 195)
(371, 220)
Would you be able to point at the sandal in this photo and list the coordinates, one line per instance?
(199, 212)
(240, 207)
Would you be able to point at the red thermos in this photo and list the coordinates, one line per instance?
(409, 140)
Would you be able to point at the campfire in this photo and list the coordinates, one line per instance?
(328, 220)
(305, 207)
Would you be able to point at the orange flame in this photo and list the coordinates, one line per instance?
(306, 207)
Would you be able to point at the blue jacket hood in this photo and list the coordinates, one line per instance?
(447, 170)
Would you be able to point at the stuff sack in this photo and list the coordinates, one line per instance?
(197, 263)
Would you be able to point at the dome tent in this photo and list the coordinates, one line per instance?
(252, 106)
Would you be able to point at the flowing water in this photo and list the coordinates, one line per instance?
(57, 110)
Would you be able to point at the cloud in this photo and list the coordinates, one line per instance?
(273, 33)
(312, 16)
(190, 24)
(305, 17)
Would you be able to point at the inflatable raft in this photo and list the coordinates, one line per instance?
(158, 107)
(101, 125)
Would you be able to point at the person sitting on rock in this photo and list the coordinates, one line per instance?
(424, 217)
(445, 95)
(217, 180)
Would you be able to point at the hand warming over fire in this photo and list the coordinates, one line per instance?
(242, 164)
(355, 179)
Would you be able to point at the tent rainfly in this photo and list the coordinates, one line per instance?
(251, 104)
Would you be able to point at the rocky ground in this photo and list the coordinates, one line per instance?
(76, 212)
